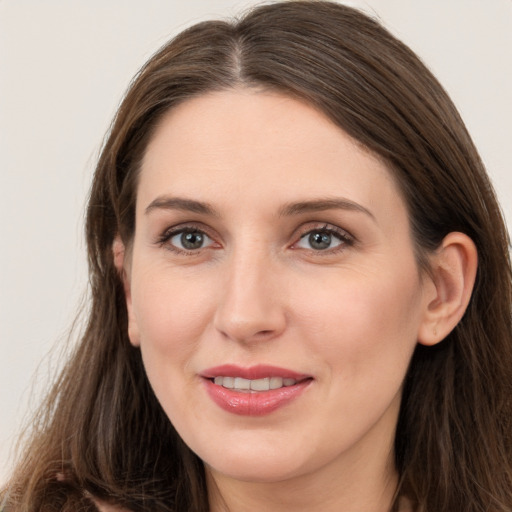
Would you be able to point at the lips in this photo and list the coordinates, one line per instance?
(253, 391)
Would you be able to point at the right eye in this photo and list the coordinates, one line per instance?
(191, 240)
(186, 240)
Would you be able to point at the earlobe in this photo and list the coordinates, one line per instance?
(452, 277)
(120, 262)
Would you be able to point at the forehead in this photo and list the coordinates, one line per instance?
(253, 144)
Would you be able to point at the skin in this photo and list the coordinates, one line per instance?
(258, 292)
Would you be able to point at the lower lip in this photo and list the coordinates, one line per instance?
(254, 403)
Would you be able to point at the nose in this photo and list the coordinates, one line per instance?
(251, 306)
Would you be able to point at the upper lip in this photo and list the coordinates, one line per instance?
(252, 372)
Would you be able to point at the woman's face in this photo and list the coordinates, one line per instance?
(273, 253)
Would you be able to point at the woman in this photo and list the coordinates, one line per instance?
(301, 288)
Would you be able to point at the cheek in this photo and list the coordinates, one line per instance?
(388, 308)
(171, 314)
(366, 323)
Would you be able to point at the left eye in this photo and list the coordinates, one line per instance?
(190, 240)
(320, 240)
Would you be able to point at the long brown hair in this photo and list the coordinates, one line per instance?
(102, 431)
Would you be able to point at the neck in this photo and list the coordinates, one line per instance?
(367, 486)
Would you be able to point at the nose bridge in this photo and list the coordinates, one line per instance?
(250, 307)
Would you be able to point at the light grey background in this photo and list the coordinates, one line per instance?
(63, 69)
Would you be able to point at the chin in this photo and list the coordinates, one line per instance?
(262, 472)
(258, 465)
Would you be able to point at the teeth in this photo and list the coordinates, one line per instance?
(260, 384)
(276, 382)
(243, 384)
(265, 384)
(229, 381)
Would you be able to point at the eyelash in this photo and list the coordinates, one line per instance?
(345, 238)
(166, 236)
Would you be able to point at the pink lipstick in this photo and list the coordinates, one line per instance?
(253, 391)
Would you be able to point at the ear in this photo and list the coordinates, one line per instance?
(121, 262)
(451, 281)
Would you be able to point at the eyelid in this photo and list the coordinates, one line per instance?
(163, 239)
(346, 238)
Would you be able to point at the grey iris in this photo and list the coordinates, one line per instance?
(192, 240)
(320, 241)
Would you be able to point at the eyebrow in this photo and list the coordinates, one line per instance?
(179, 203)
(290, 209)
(319, 205)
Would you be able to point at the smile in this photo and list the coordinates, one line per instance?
(255, 391)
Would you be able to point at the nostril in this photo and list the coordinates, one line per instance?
(247, 321)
